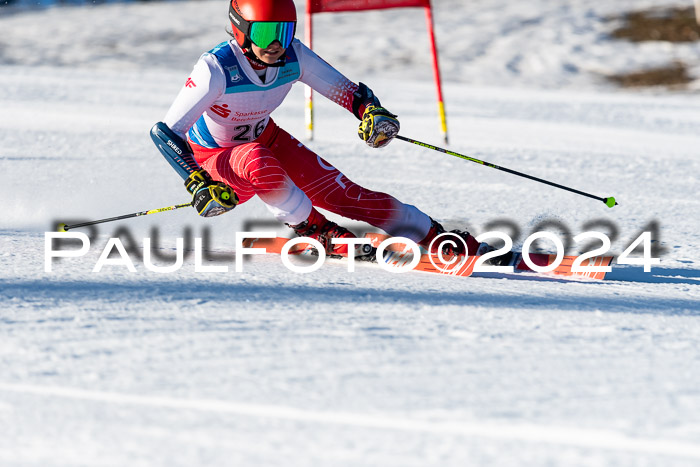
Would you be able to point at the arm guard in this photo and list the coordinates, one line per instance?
(362, 98)
(175, 150)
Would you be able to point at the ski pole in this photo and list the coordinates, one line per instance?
(65, 228)
(609, 201)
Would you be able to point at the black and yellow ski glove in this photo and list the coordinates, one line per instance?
(210, 198)
(378, 126)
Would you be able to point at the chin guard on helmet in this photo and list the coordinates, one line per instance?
(250, 55)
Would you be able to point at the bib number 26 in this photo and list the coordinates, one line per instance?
(248, 132)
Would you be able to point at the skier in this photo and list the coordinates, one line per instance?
(220, 138)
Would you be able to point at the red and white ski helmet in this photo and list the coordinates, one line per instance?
(243, 15)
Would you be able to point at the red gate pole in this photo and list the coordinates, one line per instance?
(436, 72)
(308, 92)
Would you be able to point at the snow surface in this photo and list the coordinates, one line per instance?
(270, 367)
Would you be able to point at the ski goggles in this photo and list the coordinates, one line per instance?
(264, 33)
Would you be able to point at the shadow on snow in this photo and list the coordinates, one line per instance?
(43, 294)
(656, 276)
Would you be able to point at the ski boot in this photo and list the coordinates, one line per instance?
(458, 243)
(319, 228)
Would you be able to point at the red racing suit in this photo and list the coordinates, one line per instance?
(224, 112)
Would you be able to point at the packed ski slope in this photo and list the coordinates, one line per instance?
(271, 367)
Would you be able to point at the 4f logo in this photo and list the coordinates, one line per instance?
(189, 83)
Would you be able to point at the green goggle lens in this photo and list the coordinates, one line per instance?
(263, 34)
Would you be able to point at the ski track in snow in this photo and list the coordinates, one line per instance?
(269, 367)
(531, 433)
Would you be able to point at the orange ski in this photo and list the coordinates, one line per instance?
(400, 255)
